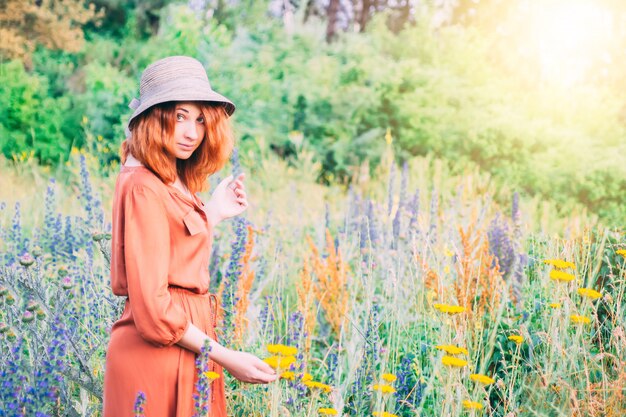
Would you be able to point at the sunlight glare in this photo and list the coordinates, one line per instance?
(570, 36)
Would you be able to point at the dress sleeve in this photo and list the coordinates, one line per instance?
(146, 255)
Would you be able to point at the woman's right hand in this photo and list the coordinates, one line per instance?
(244, 366)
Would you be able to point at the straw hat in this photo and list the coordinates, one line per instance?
(175, 78)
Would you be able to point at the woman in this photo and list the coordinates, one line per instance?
(178, 135)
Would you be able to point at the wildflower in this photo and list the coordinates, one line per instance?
(588, 292)
(384, 388)
(288, 375)
(389, 377)
(449, 309)
(3, 290)
(516, 338)
(307, 377)
(557, 275)
(383, 414)
(63, 271)
(140, 401)
(560, 264)
(472, 405)
(27, 317)
(621, 252)
(280, 362)
(11, 335)
(282, 350)
(318, 385)
(328, 411)
(483, 379)
(10, 299)
(67, 283)
(26, 260)
(452, 361)
(40, 314)
(579, 319)
(31, 305)
(452, 350)
(3, 327)
(555, 305)
(211, 376)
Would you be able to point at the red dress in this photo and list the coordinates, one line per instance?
(161, 245)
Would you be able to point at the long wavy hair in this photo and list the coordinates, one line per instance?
(151, 142)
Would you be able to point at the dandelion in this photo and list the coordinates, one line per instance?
(555, 305)
(282, 350)
(280, 362)
(588, 292)
(307, 377)
(383, 414)
(318, 385)
(327, 411)
(449, 309)
(557, 275)
(560, 264)
(452, 361)
(389, 377)
(384, 388)
(621, 252)
(483, 379)
(452, 350)
(472, 405)
(579, 319)
(516, 338)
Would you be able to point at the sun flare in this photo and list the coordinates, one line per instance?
(571, 36)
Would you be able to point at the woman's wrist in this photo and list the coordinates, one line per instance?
(210, 208)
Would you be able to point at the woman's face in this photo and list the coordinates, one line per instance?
(189, 129)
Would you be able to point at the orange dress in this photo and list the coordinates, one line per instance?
(161, 245)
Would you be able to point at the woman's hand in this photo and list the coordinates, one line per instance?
(244, 366)
(228, 200)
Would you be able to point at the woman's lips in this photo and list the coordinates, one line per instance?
(186, 147)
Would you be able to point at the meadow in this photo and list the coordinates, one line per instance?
(436, 218)
(413, 293)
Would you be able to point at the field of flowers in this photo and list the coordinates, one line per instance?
(413, 293)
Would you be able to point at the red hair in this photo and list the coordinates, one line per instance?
(151, 142)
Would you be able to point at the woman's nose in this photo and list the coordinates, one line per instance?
(191, 131)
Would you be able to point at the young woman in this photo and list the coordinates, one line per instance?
(178, 135)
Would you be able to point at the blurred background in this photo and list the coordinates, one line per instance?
(531, 93)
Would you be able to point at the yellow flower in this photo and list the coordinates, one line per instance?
(483, 379)
(280, 362)
(282, 350)
(307, 376)
(327, 411)
(383, 414)
(588, 292)
(557, 275)
(212, 376)
(452, 350)
(384, 388)
(555, 305)
(516, 338)
(288, 375)
(389, 377)
(452, 361)
(621, 252)
(449, 309)
(472, 405)
(319, 385)
(580, 319)
(560, 264)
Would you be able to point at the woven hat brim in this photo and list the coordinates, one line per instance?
(194, 90)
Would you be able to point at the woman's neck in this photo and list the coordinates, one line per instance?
(131, 161)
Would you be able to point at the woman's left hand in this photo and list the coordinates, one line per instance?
(229, 198)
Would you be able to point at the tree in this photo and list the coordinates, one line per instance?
(24, 24)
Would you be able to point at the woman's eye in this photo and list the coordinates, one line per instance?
(201, 120)
(180, 117)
